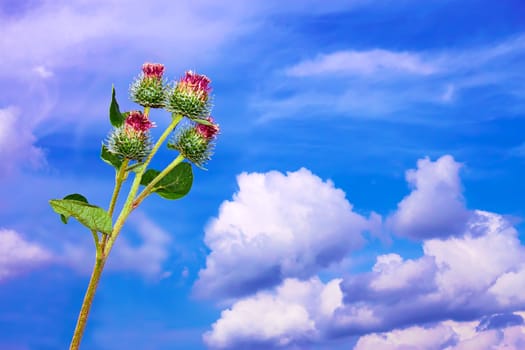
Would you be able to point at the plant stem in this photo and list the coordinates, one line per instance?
(128, 205)
(88, 300)
(147, 190)
(119, 179)
(104, 247)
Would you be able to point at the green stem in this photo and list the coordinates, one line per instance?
(97, 241)
(88, 300)
(104, 246)
(128, 205)
(119, 179)
(147, 190)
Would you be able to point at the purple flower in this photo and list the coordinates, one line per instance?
(153, 70)
(197, 84)
(208, 131)
(139, 122)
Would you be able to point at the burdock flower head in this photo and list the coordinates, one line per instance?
(196, 142)
(190, 96)
(132, 140)
(149, 89)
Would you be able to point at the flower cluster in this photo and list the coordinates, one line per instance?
(132, 140)
(187, 97)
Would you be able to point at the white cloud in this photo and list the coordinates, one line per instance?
(289, 316)
(381, 83)
(459, 277)
(277, 226)
(475, 273)
(413, 338)
(447, 335)
(63, 34)
(363, 63)
(18, 255)
(452, 282)
(435, 207)
(17, 148)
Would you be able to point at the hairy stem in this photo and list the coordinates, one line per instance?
(88, 300)
(119, 179)
(104, 246)
(128, 205)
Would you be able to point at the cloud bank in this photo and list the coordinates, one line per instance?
(468, 275)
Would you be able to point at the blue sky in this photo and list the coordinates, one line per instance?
(364, 194)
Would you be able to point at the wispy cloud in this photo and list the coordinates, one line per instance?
(363, 63)
(382, 83)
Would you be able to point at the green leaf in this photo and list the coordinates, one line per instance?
(110, 158)
(91, 216)
(176, 184)
(137, 167)
(74, 196)
(201, 121)
(115, 117)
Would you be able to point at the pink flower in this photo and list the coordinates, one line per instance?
(208, 131)
(138, 121)
(195, 83)
(153, 70)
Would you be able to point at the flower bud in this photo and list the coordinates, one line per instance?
(132, 140)
(196, 142)
(149, 89)
(208, 131)
(190, 96)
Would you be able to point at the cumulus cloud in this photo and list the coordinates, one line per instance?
(17, 143)
(435, 207)
(453, 282)
(456, 278)
(18, 255)
(450, 283)
(277, 226)
(477, 275)
(449, 335)
(287, 317)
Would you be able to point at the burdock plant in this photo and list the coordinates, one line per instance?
(129, 148)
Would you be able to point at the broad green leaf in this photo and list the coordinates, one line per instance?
(176, 184)
(91, 216)
(74, 196)
(115, 117)
(110, 158)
